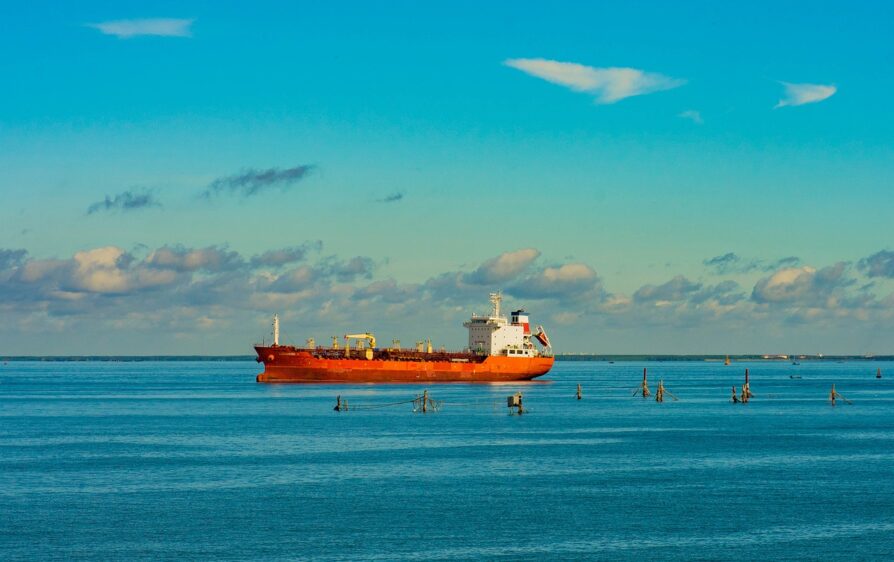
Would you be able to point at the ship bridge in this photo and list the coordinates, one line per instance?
(495, 335)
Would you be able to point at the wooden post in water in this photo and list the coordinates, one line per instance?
(424, 401)
(878, 373)
(735, 398)
(337, 403)
(579, 392)
(515, 401)
(645, 389)
(659, 394)
(834, 394)
(746, 389)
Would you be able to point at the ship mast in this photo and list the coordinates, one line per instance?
(276, 329)
(495, 299)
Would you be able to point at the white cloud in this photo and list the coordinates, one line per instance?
(692, 115)
(800, 94)
(163, 27)
(505, 267)
(609, 84)
(159, 297)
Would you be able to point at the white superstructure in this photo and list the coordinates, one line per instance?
(495, 335)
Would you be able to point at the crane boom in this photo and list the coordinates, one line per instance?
(371, 340)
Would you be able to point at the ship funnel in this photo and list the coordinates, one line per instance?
(276, 329)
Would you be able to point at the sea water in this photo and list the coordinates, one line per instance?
(194, 460)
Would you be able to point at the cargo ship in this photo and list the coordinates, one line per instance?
(500, 350)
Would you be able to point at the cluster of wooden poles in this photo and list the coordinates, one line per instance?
(742, 398)
(423, 403)
(644, 391)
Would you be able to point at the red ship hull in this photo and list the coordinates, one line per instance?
(288, 364)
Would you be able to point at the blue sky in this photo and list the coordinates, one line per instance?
(391, 147)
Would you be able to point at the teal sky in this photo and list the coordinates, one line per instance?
(407, 144)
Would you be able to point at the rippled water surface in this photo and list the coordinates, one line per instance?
(183, 460)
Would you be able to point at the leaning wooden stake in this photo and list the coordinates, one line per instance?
(337, 403)
(580, 393)
(834, 394)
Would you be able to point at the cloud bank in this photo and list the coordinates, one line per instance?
(879, 264)
(175, 294)
(160, 27)
(607, 85)
(800, 94)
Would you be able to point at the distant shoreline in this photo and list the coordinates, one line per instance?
(559, 357)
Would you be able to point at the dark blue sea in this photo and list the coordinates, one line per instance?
(194, 460)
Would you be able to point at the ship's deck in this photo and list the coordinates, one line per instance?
(390, 354)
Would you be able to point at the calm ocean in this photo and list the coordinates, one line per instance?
(183, 460)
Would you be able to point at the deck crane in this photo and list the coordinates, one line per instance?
(371, 340)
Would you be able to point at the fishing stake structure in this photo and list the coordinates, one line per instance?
(644, 387)
(746, 389)
(834, 394)
(515, 401)
(659, 394)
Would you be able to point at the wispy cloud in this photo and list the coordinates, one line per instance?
(285, 256)
(800, 94)
(608, 84)
(692, 115)
(161, 27)
(733, 263)
(254, 182)
(126, 201)
(393, 198)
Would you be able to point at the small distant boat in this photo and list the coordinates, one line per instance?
(795, 363)
(794, 376)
